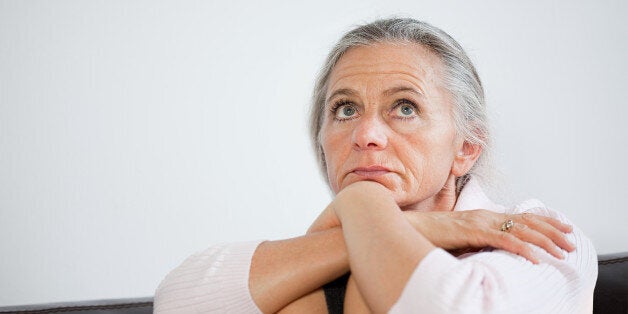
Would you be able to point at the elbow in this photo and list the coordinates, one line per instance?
(475, 289)
(165, 296)
(188, 283)
(162, 297)
(460, 288)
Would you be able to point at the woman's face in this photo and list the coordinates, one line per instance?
(388, 118)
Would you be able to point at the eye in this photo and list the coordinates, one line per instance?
(405, 109)
(344, 111)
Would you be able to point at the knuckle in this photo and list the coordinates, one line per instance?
(553, 234)
(485, 213)
(520, 248)
(506, 237)
(556, 235)
(520, 227)
(547, 243)
(525, 250)
(528, 218)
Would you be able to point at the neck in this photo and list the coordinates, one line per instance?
(444, 200)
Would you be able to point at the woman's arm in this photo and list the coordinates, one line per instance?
(500, 282)
(384, 248)
(381, 257)
(275, 274)
(214, 280)
(283, 271)
(253, 277)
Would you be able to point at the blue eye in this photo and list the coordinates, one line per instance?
(348, 111)
(345, 111)
(405, 109)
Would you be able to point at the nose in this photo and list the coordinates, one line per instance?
(370, 134)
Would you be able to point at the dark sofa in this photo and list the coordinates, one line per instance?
(611, 295)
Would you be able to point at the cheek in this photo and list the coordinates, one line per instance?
(428, 155)
(441, 161)
(334, 151)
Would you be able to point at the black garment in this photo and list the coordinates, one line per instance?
(335, 294)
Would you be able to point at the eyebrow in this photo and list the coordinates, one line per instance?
(399, 89)
(341, 92)
(388, 92)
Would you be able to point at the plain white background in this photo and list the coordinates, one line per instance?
(134, 133)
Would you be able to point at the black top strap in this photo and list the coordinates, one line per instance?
(335, 294)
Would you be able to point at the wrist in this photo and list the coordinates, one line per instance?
(363, 198)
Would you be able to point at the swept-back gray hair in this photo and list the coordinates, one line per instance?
(460, 79)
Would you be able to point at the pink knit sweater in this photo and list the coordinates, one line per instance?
(490, 281)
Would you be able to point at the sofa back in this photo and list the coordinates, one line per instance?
(611, 295)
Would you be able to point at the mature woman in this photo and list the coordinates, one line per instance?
(399, 125)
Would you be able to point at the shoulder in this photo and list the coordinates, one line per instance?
(576, 274)
(535, 206)
(584, 258)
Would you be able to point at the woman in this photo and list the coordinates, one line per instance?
(399, 125)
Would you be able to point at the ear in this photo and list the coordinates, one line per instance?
(465, 158)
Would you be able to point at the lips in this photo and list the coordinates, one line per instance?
(371, 171)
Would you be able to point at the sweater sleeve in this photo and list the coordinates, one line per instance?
(501, 282)
(211, 281)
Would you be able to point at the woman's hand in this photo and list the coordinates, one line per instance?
(466, 231)
(463, 231)
(375, 223)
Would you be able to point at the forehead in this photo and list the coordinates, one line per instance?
(409, 62)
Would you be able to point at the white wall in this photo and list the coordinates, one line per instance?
(135, 133)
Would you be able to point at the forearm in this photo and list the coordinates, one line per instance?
(283, 271)
(496, 281)
(384, 249)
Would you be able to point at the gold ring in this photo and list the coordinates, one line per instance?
(507, 225)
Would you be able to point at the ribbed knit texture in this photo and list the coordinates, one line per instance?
(213, 281)
(496, 281)
(491, 281)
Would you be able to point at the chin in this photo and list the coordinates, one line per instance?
(350, 179)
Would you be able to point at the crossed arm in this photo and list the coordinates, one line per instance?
(398, 263)
(364, 231)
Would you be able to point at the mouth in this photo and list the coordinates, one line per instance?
(371, 171)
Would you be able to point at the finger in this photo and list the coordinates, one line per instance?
(566, 228)
(508, 242)
(526, 234)
(540, 224)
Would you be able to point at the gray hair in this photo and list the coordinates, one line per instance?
(460, 78)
